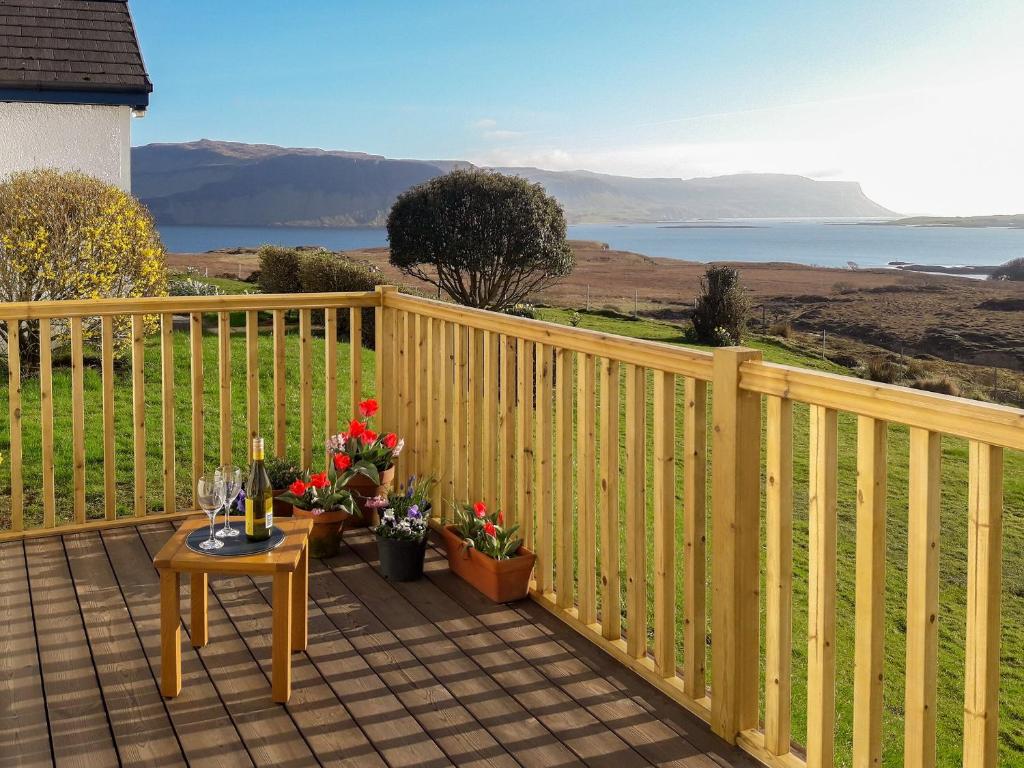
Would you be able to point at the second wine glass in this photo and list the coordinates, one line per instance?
(232, 477)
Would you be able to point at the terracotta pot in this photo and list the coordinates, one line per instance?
(326, 534)
(281, 508)
(501, 580)
(364, 489)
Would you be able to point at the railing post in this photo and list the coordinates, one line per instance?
(384, 340)
(735, 532)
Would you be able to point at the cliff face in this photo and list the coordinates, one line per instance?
(220, 184)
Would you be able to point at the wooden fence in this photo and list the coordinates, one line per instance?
(635, 471)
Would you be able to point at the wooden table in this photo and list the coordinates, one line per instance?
(288, 563)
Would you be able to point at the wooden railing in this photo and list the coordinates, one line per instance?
(118, 334)
(638, 472)
(598, 446)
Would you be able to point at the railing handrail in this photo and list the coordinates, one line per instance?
(159, 305)
(954, 416)
(670, 358)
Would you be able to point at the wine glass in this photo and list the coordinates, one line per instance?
(210, 495)
(232, 477)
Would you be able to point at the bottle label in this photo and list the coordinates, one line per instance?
(250, 517)
(268, 512)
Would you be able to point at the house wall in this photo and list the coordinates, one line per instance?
(92, 139)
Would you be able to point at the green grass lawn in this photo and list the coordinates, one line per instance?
(124, 446)
(953, 566)
(954, 509)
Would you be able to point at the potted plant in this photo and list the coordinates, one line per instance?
(324, 498)
(282, 474)
(402, 531)
(483, 552)
(360, 446)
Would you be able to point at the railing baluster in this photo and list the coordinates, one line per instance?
(508, 426)
(306, 386)
(984, 584)
(401, 388)
(922, 599)
(423, 351)
(821, 628)
(869, 658)
(695, 446)
(280, 386)
(385, 369)
(563, 375)
(14, 413)
(252, 373)
(525, 513)
(443, 381)
(475, 411)
(586, 521)
(331, 370)
(167, 410)
(636, 525)
(224, 373)
(611, 612)
(459, 435)
(109, 456)
(46, 422)
(139, 413)
(664, 524)
(544, 539)
(198, 403)
(779, 580)
(355, 368)
(409, 392)
(77, 420)
(492, 414)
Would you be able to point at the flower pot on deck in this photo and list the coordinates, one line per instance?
(325, 537)
(401, 560)
(363, 489)
(501, 580)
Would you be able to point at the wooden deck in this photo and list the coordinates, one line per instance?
(423, 674)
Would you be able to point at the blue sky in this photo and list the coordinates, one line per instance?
(918, 101)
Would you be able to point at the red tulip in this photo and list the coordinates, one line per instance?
(390, 440)
(297, 488)
(356, 428)
(368, 408)
(489, 528)
(319, 480)
(369, 436)
(480, 509)
(342, 461)
(501, 517)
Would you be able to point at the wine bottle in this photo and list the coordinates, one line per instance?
(259, 497)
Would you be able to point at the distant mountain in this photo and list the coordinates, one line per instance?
(1003, 221)
(215, 183)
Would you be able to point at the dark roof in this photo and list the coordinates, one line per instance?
(80, 51)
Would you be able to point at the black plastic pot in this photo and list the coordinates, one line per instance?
(401, 560)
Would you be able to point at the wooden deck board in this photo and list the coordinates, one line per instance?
(23, 730)
(427, 674)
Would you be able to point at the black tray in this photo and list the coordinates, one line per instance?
(236, 546)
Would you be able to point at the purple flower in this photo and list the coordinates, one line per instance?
(414, 512)
(240, 501)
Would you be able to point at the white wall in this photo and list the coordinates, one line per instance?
(92, 139)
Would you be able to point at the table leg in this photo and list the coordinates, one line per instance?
(170, 633)
(300, 603)
(281, 662)
(198, 597)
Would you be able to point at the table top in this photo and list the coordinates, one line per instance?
(175, 556)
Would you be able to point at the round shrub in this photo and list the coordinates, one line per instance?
(486, 239)
(1011, 270)
(71, 236)
(722, 309)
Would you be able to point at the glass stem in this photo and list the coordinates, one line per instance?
(213, 521)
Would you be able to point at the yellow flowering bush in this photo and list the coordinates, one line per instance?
(71, 236)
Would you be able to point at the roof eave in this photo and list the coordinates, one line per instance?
(136, 99)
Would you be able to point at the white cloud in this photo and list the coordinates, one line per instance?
(485, 123)
(948, 150)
